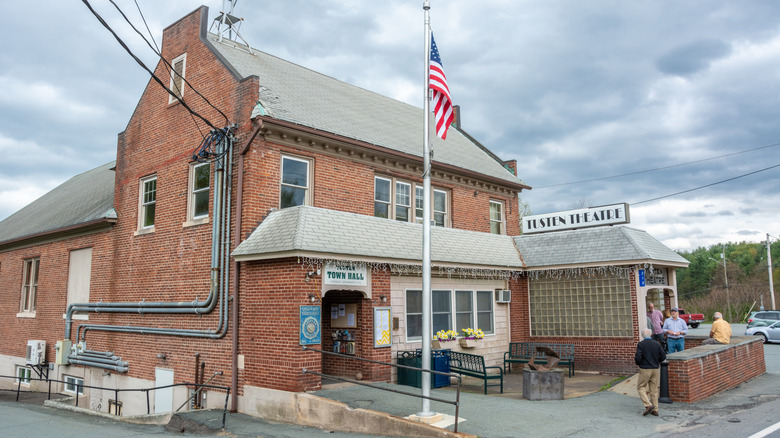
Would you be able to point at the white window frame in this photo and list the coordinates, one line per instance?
(73, 383)
(436, 213)
(414, 203)
(193, 192)
(23, 374)
(144, 205)
(453, 313)
(501, 220)
(177, 77)
(307, 197)
(29, 293)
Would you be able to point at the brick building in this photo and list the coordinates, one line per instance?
(308, 199)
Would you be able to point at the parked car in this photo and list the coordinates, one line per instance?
(692, 319)
(763, 318)
(770, 333)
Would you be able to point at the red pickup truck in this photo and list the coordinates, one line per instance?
(693, 319)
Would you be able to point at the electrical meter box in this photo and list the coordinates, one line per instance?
(62, 350)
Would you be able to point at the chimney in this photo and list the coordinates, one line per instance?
(456, 121)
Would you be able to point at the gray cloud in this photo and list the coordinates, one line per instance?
(693, 57)
(573, 91)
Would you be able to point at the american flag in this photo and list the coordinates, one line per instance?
(442, 103)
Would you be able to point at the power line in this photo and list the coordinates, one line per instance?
(141, 63)
(705, 186)
(156, 50)
(658, 168)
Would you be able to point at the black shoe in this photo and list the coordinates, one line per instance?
(655, 413)
(647, 410)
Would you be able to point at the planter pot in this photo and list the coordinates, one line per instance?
(470, 343)
(435, 344)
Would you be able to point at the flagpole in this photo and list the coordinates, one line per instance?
(426, 255)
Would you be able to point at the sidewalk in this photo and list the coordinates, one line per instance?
(590, 413)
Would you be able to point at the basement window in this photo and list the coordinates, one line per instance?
(73, 384)
(23, 374)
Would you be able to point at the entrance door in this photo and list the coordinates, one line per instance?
(163, 398)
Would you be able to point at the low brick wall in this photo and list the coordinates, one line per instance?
(704, 370)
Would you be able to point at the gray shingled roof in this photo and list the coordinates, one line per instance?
(296, 94)
(600, 245)
(311, 230)
(84, 198)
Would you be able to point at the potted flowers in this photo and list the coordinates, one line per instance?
(443, 336)
(471, 337)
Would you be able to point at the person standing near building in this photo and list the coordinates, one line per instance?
(720, 332)
(675, 329)
(649, 355)
(657, 320)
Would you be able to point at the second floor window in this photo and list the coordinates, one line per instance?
(29, 285)
(393, 200)
(497, 217)
(148, 201)
(200, 179)
(295, 188)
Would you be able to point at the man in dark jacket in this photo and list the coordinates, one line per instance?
(649, 355)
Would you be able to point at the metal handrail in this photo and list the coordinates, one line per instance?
(201, 386)
(455, 403)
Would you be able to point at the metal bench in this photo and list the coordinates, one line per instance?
(525, 352)
(474, 366)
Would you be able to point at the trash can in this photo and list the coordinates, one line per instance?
(440, 361)
(406, 376)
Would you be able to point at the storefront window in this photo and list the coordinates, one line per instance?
(595, 306)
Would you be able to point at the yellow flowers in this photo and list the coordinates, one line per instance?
(448, 335)
(471, 333)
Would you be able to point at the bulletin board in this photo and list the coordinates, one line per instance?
(343, 315)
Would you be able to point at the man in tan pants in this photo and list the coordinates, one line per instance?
(649, 355)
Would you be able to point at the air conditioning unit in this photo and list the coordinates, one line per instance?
(503, 296)
(36, 352)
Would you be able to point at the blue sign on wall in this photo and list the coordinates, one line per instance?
(641, 278)
(311, 327)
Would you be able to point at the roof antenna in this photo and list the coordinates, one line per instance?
(228, 24)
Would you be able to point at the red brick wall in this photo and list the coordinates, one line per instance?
(51, 302)
(271, 295)
(605, 354)
(695, 378)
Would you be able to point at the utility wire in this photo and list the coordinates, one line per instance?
(657, 168)
(166, 64)
(156, 50)
(130, 52)
(705, 186)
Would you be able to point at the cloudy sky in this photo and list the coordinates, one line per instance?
(600, 102)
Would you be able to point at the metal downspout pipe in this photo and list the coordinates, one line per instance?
(237, 266)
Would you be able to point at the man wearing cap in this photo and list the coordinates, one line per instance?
(675, 329)
(721, 331)
(649, 355)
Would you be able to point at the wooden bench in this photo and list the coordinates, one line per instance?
(474, 366)
(525, 352)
